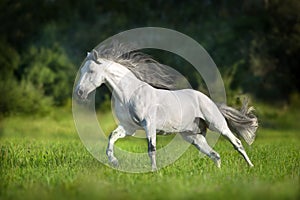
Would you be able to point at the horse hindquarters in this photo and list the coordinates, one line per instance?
(216, 122)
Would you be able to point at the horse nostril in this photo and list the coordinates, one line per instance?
(80, 92)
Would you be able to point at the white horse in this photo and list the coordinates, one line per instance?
(139, 105)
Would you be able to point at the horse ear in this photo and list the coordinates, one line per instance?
(95, 54)
(87, 54)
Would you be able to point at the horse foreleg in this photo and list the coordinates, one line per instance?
(151, 139)
(118, 133)
(152, 151)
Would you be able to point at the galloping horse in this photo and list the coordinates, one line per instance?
(141, 105)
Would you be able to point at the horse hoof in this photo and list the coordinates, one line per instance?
(154, 169)
(218, 163)
(114, 162)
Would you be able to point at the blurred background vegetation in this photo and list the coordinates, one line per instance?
(255, 44)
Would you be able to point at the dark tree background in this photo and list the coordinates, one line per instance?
(255, 44)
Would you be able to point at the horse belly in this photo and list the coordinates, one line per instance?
(177, 113)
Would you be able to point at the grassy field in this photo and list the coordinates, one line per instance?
(43, 158)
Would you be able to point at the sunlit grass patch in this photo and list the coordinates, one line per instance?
(44, 158)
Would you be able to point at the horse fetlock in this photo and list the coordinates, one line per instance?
(153, 164)
(154, 168)
(152, 154)
(214, 155)
(216, 158)
(240, 149)
(114, 161)
(109, 153)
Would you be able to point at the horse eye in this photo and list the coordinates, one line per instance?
(92, 71)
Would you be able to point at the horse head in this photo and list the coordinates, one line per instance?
(92, 75)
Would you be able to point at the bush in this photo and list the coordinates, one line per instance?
(50, 71)
(34, 81)
(22, 98)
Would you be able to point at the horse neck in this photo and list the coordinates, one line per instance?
(122, 81)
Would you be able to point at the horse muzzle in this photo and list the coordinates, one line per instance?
(81, 93)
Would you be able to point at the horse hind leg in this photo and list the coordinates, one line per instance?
(202, 126)
(237, 144)
(199, 141)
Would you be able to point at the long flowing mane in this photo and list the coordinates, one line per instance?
(143, 66)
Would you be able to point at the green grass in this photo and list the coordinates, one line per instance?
(43, 158)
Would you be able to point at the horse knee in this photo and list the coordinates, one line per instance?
(238, 142)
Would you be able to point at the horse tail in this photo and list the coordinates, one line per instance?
(242, 122)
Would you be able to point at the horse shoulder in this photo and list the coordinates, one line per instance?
(141, 102)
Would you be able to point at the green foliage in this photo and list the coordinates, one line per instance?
(22, 97)
(273, 51)
(50, 71)
(42, 78)
(9, 60)
(255, 44)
